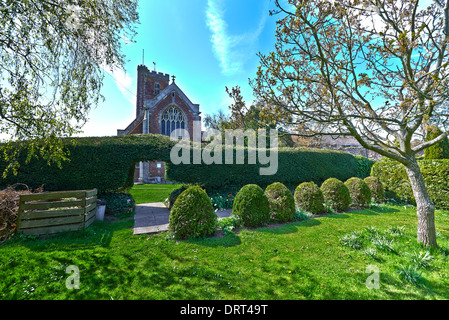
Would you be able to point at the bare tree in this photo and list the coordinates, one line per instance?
(376, 70)
(53, 57)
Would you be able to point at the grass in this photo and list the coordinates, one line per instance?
(300, 260)
(147, 193)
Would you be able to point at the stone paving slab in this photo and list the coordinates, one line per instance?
(150, 229)
(153, 217)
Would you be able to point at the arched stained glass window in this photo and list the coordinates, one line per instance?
(172, 119)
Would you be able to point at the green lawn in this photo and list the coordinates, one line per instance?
(146, 193)
(301, 260)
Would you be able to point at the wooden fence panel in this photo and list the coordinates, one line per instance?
(53, 212)
(44, 205)
(90, 218)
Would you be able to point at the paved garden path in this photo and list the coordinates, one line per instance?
(153, 217)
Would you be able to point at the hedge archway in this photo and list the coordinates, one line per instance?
(103, 163)
(108, 163)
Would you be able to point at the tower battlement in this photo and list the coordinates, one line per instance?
(153, 74)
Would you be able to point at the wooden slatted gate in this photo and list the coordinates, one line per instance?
(53, 212)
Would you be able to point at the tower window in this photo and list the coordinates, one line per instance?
(157, 88)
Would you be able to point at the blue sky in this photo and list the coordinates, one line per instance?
(206, 44)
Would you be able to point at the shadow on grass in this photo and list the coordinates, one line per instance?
(218, 240)
(287, 228)
(365, 212)
(335, 216)
(382, 209)
(100, 234)
(230, 240)
(371, 211)
(398, 289)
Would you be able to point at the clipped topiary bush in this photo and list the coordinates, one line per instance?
(309, 197)
(376, 187)
(251, 206)
(281, 202)
(174, 195)
(336, 194)
(359, 191)
(192, 215)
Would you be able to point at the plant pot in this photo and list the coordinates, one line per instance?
(100, 212)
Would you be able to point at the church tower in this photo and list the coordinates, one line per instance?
(161, 108)
(149, 86)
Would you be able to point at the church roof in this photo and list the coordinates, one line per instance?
(149, 104)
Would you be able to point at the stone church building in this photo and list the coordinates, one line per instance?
(161, 107)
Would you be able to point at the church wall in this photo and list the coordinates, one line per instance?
(149, 86)
(146, 80)
(155, 113)
(145, 85)
(154, 171)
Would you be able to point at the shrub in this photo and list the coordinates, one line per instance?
(222, 202)
(364, 165)
(394, 179)
(397, 185)
(281, 202)
(117, 203)
(295, 165)
(192, 214)
(174, 195)
(228, 225)
(251, 206)
(439, 150)
(376, 187)
(309, 197)
(359, 191)
(302, 215)
(336, 194)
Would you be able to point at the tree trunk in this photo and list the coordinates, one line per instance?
(425, 207)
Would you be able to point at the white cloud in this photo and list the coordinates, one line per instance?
(221, 42)
(230, 50)
(124, 83)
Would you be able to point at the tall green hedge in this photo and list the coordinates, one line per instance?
(364, 165)
(295, 165)
(439, 150)
(108, 164)
(397, 185)
(105, 163)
